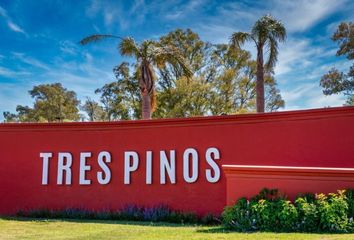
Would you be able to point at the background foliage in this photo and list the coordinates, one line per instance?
(222, 82)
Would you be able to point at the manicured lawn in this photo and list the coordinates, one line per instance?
(77, 229)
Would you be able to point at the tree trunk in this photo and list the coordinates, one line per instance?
(146, 86)
(260, 80)
(146, 105)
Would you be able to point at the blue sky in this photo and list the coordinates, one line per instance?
(39, 41)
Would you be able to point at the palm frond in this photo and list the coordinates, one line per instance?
(128, 47)
(170, 54)
(239, 38)
(273, 54)
(96, 37)
(278, 31)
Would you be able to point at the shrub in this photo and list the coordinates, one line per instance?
(308, 218)
(266, 212)
(349, 194)
(287, 215)
(105, 215)
(240, 217)
(130, 212)
(271, 211)
(350, 201)
(333, 212)
(157, 214)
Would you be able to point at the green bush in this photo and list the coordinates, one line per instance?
(349, 194)
(275, 215)
(308, 218)
(287, 215)
(240, 216)
(333, 212)
(350, 201)
(272, 211)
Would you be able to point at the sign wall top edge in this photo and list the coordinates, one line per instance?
(249, 118)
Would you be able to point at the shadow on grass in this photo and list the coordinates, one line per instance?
(215, 229)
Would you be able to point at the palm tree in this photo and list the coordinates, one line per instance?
(266, 32)
(148, 54)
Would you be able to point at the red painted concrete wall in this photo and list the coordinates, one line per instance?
(313, 138)
(246, 181)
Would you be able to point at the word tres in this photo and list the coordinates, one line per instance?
(167, 166)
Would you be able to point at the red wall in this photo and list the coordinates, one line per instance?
(317, 138)
(247, 181)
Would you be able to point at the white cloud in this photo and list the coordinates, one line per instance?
(295, 53)
(68, 47)
(215, 33)
(181, 10)
(5, 72)
(306, 59)
(319, 100)
(13, 26)
(309, 95)
(113, 13)
(300, 15)
(296, 94)
(138, 5)
(297, 16)
(3, 12)
(30, 61)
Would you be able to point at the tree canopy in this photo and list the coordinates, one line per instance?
(52, 103)
(220, 80)
(148, 55)
(335, 81)
(223, 82)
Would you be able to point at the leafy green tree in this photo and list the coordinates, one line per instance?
(121, 99)
(190, 97)
(192, 49)
(266, 33)
(53, 103)
(335, 82)
(273, 99)
(234, 83)
(231, 73)
(10, 117)
(223, 82)
(94, 111)
(148, 54)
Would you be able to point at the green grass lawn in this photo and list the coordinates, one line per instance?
(21, 228)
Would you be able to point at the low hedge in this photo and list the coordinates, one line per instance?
(272, 211)
(159, 213)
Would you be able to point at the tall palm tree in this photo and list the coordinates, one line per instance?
(266, 33)
(148, 54)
